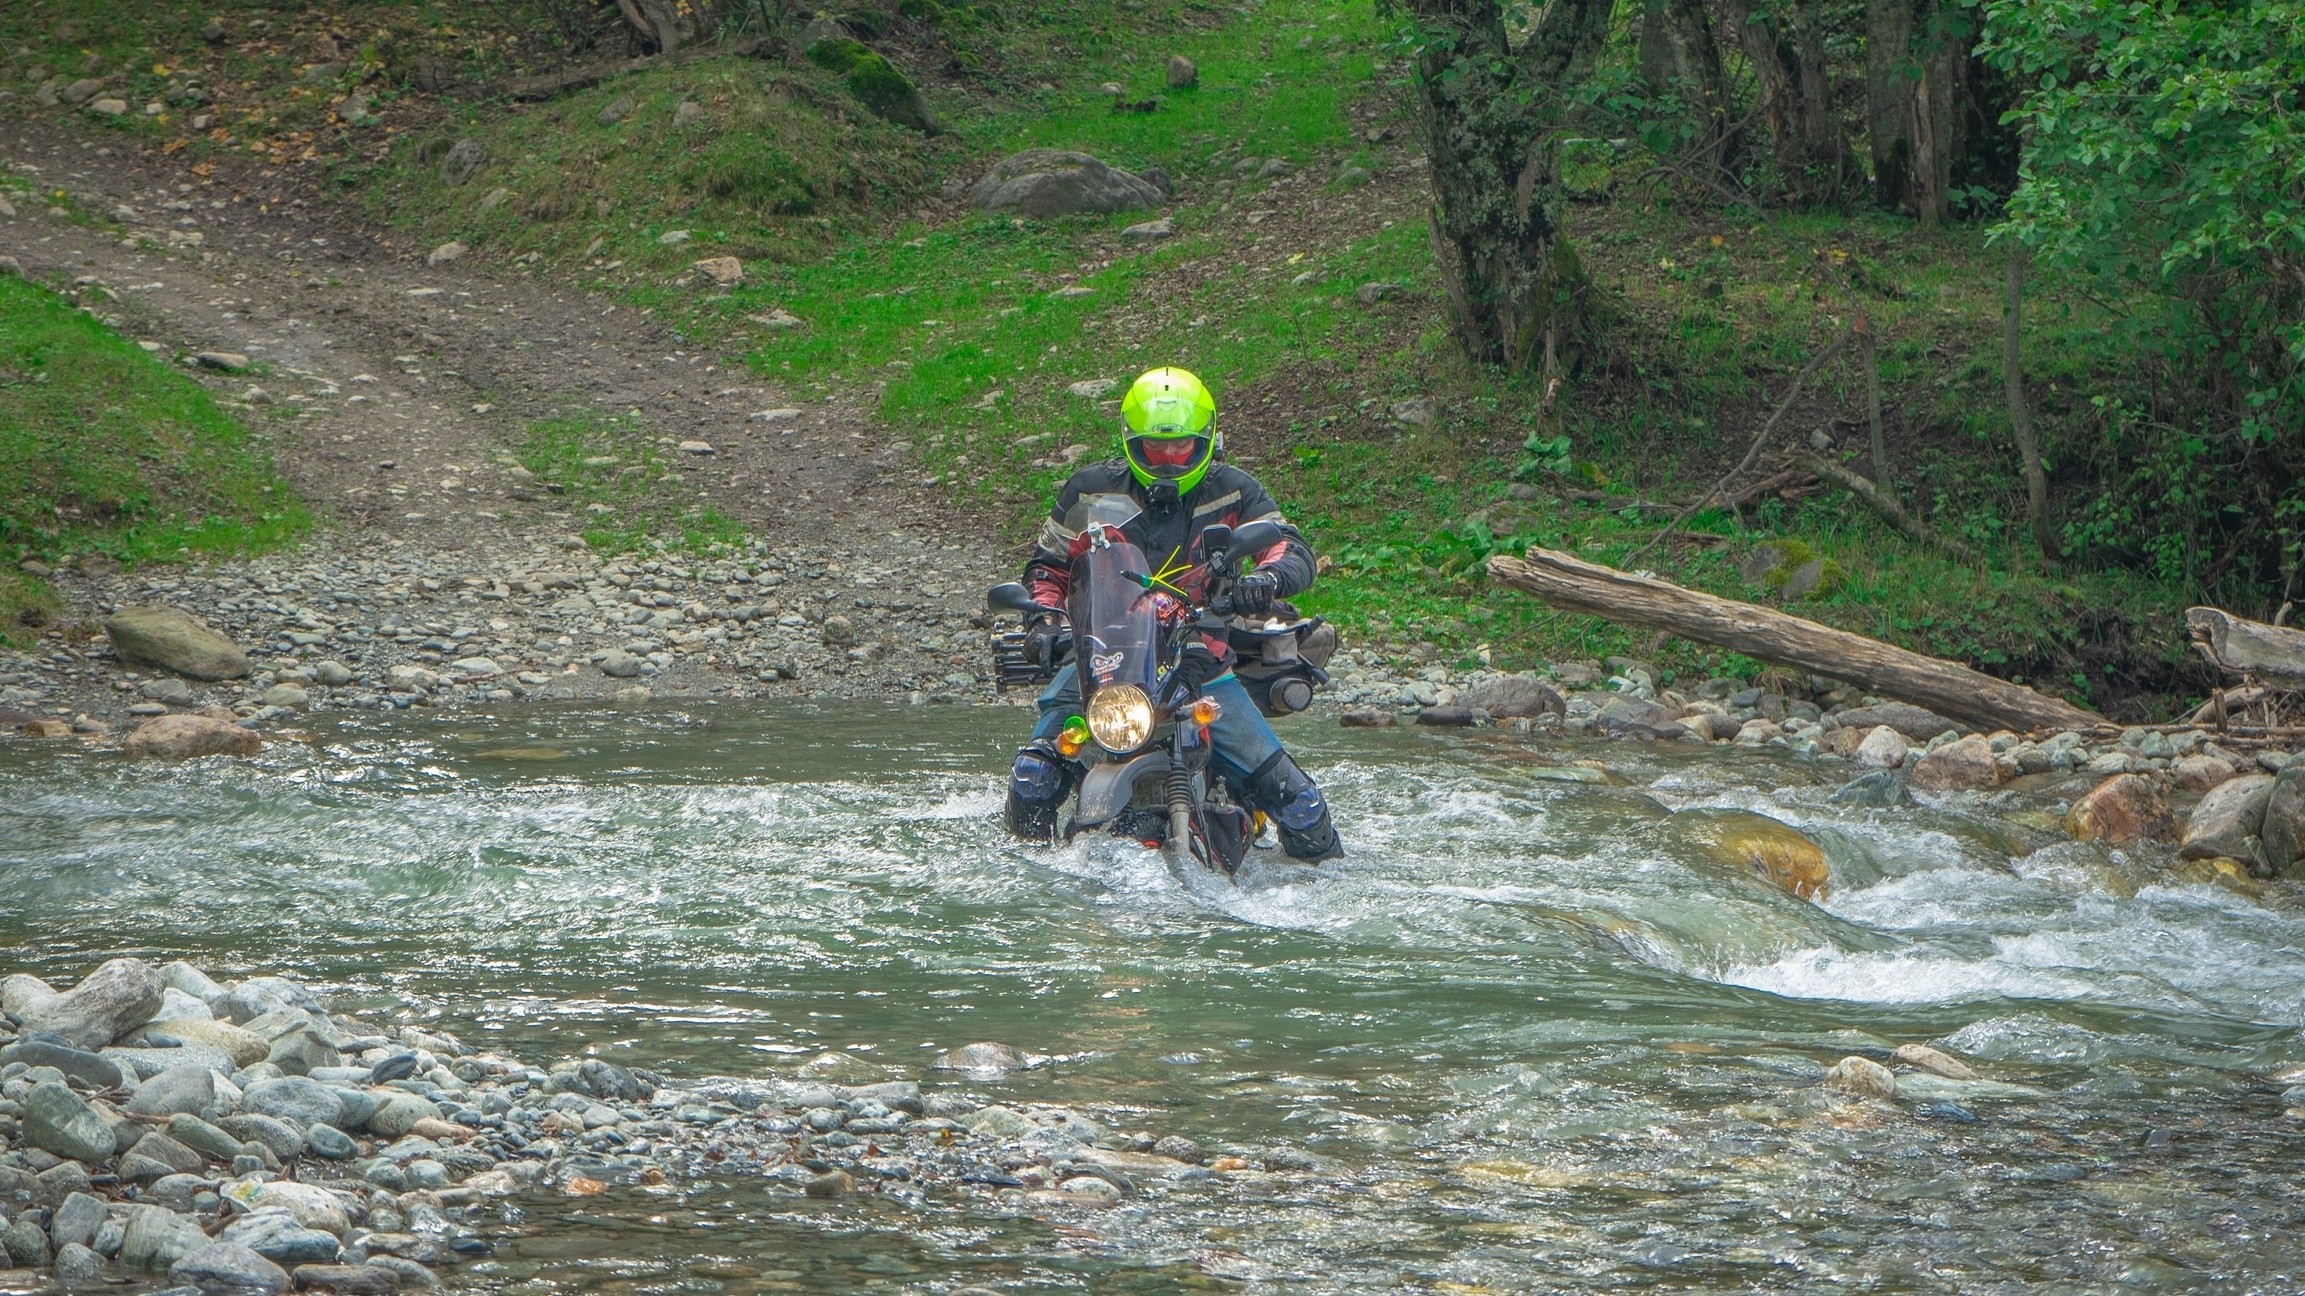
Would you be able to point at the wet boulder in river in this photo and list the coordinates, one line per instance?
(228, 1267)
(183, 737)
(1921, 1057)
(2283, 832)
(1966, 765)
(2124, 808)
(984, 1060)
(1878, 790)
(1774, 852)
(2227, 821)
(1862, 1077)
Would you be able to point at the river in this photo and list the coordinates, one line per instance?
(1534, 1041)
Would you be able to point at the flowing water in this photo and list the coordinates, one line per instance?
(1536, 1041)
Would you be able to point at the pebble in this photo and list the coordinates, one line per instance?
(320, 1164)
(365, 626)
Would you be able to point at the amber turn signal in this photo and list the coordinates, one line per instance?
(1206, 711)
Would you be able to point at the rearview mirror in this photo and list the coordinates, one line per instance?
(1011, 597)
(1252, 540)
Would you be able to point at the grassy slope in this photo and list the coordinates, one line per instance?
(958, 327)
(1713, 319)
(110, 452)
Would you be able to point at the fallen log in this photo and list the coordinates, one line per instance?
(2247, 647)
(1947, 688)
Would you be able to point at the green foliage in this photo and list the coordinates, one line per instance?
(109, 451)
(2162, 167)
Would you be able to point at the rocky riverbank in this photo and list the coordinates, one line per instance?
(2235, 803)
(245, 1137)
(376, 623)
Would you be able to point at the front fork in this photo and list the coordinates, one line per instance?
(1188, 759)
(1180, 793)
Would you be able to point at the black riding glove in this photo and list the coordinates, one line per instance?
(1195, 669)
(1253, 594)
(1041, 639)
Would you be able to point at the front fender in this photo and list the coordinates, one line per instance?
(1107, 788)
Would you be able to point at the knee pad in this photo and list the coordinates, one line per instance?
(1038, 784)
(1296, 805)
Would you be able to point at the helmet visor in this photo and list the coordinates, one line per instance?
(1168, 457)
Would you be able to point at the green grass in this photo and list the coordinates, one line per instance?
(111, 452)
(961, 331)
(620, 475)
(774, 162)
(965, 327)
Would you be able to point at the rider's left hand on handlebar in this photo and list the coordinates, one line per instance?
(1252, 595)
(1196, 668)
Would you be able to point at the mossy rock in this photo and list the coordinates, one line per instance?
(839, 53)
(874, 81)
(1793, 569)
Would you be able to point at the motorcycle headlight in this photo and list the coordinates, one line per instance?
(1120, 717)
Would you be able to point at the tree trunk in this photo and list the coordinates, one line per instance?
(1936, 118)
(1660, 56)
(1490, 115)
(1784, 41)
(1947, 688)
(1891, 73)
(1708, 80)
(2020, 417)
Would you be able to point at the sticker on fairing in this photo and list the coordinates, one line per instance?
(1106, 665)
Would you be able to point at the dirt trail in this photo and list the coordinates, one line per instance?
(411, 380)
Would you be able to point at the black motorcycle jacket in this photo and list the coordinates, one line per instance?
(1170, 537)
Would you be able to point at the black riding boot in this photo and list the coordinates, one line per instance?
(1038, 784)
(1295, 803)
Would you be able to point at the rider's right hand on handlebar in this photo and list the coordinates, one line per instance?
(1042, 637)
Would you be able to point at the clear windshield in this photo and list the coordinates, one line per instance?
(1116, 629)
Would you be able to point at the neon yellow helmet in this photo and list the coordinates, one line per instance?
(1171, 437)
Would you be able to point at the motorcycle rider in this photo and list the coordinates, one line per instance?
(1170, 466)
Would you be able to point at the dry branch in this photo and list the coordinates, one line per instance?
(1760, 438)
(1887, 507)
(1947, 688)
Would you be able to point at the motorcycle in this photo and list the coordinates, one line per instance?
(1142, 737)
